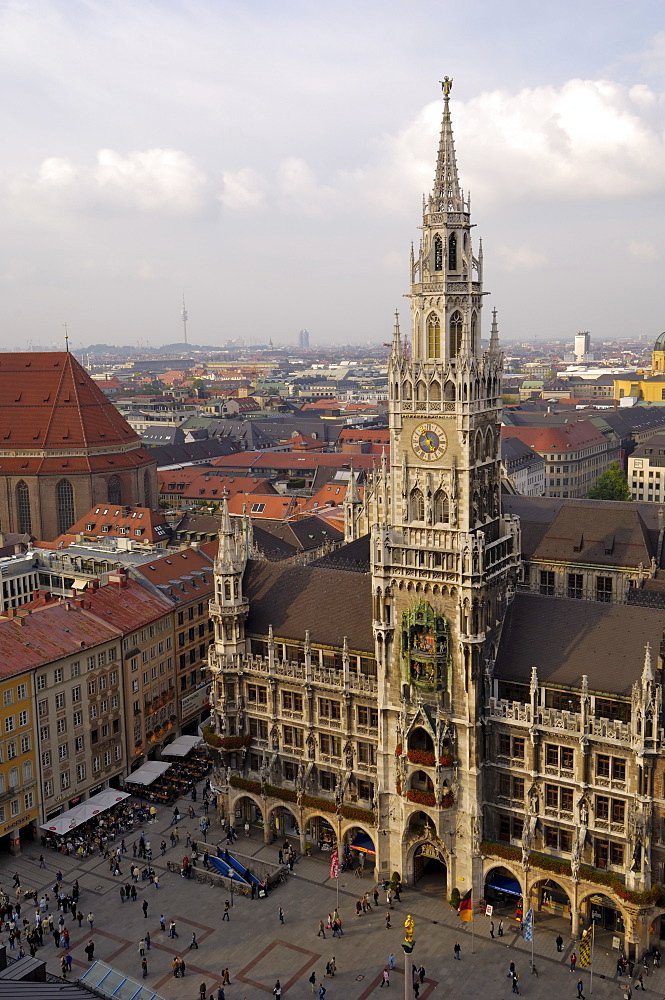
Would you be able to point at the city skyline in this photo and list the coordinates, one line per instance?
(269, 163)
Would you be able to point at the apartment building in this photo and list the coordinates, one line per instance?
(19, 790)
(646, 470)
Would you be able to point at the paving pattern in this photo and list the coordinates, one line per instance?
(258, 950)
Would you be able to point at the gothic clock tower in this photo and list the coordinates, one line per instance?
(443, 558)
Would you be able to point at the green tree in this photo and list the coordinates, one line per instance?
(611, 485)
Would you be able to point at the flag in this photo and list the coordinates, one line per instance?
(334, 865)
(584, 957)
(465, 908)
(527, 926)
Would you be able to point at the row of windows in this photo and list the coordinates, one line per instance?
(8, 694)
(92, 663)
(190, 613)
(14, 776)
(328, 708)
(64, 493)
(15, 806)
(576, 586)
(23, 720)
(65, 776)
(331, 746)
(130, 642)
(10, 750)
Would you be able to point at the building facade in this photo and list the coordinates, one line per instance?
(407, 695)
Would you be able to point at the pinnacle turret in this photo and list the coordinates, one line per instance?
(446, 194)
(494, 348)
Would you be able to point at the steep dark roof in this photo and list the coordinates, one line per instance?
(330, 603)
(353, 557)
(195, 451)
(600, 535)
(565, 639)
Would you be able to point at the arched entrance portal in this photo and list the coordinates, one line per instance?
(429, 869)
(319, 834)
(359, 848)
(247, 811)
(504, 893)
(283, 823)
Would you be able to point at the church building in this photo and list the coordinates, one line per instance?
(408, 696)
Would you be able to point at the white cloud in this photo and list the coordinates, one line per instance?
(242, 189)
(152, 181)
(519, 258)
(586, 139)
(300, 190)
(642, 250)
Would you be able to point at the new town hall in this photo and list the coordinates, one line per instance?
(437, 693)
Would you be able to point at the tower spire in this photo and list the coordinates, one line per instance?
(446, 195)
(494, 335)
(397, 339)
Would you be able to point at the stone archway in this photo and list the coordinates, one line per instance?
(283, 821)
(321, 832)
(246, 808)
(427, 867)
(608, 914)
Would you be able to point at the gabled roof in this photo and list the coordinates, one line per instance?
(565, 639)
(330, 603)
(113, 520)
(40, 634)
(128, 606)
(599, 535)
(184, 576)
(557, 437)
(48, 401)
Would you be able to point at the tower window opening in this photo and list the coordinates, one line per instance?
(23, 507)
(440, 507)
(438, 253)
(65, 501)
(452, 252)
(455, 334)
(433, 336)
(417, 505)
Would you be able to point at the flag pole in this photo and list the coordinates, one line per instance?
(473, 924)
(593, 941)
(533, 927)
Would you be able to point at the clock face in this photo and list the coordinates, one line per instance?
(429, 441)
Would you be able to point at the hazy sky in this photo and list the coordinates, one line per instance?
(269, 158)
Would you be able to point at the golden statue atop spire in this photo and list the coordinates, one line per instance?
(446, 85)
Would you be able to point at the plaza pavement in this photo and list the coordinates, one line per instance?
(257, 949)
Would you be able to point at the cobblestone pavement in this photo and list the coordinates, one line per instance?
(257, 949)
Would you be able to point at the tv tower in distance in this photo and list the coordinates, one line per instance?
(184, 316)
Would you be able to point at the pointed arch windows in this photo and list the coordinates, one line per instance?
(440, 507)
(433, 336)
(65, 502)
(114, 490)
(455, 333)
(147, 489)
(23, 508)
(452, 252)
(438, 253)
(416, 505)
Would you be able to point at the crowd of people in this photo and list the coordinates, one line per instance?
(180, 778)
(98, 833)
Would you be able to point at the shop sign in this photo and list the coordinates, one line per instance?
(197, 701)
(8, 827)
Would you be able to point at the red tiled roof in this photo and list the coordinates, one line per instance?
(381, 434)
(187, 573)
(211, 487)
(50, 401)
(261, 505)
(292, 460)
(129, 606)
(47, 633)
(113, 520)
(331, 495)
(558, 437)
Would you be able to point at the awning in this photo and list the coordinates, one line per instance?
(502, 883)
(361, 842)
(92, 807)
(80, 584)
(148, 772)
(182, 746)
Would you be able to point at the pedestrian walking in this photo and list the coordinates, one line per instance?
(387, 921)
(457, 951)
(322, 991)
(492, 929)
(511, 970)
(421, 973)
(17, 880)
(155, 881)
(144, 907)
(516, 988)
(181, 967)
(559, 943)
(280, 913)
(321, 931)
(42, 863)
(580, 994)
(277, 990)
(144, 967)
(90, 950)
(656, 958)
(573, 962)
(194, 943)
(639, 985)
(172, 930)
(203, 991)
(221, 995)
(175, 965)
(391, 961)
(500, 928)
(147, 940)
(385, 978)
(375, 896)
(225, 915)
(312, 981)
(162, 922)
(142, 947)
(225, 977)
